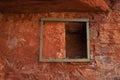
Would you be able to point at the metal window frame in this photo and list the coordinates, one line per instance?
(65, 20)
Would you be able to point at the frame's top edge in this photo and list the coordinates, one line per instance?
(66, 19)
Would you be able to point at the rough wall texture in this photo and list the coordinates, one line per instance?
(19, 48)
(53, 40)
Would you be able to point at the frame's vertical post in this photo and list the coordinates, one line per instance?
(88, 40)
(41, 40)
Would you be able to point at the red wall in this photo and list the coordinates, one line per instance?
(20, 44)
(53, 40)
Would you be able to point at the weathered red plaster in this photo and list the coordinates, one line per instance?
(20, 44)
(53, 40)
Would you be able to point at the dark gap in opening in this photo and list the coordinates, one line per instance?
(76, 40)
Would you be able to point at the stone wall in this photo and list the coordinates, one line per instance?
(19, 48)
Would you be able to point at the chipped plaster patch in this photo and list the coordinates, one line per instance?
(12, 43)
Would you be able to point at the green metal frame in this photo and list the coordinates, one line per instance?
(65, 20)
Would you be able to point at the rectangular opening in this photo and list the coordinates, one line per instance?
(64, 40)
(76, 40)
